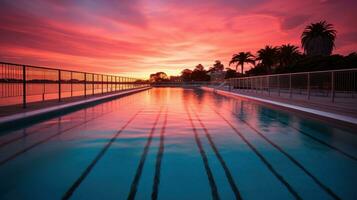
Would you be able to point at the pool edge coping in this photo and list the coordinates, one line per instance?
(322, 114)
(43, 111)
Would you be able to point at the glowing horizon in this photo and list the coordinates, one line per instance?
(137, 38)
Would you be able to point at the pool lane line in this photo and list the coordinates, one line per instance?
(315, 138)
(159, 156)
(261, 157)
(220, 158)
(18, 153)
(292, 159)
(310, 136)
(209, 173)
(85, 173)
(139, 170)
(38, 129)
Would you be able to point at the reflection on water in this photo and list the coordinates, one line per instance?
(11, 93)
(200, 146)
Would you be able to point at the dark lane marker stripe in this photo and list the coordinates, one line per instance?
(139, 170)
(220, 158)
(45, 140)
(85, 173)
(39, 129)
(160, 154)
(315, 138)
(261, 157)
(324, 187)
(209, 173)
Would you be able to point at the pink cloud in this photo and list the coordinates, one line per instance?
(141, 37)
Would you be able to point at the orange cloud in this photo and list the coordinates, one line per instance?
(141, 37)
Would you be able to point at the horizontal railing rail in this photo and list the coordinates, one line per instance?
(20, 84)
(330, 84)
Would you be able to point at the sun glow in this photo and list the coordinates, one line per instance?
(138, 38)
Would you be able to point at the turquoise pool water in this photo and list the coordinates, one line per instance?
(173, 143)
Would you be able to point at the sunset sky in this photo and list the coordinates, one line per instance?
(136, 38)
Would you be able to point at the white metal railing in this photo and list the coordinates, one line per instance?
(25, 83)
(322, 84)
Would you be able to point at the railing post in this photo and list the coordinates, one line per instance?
(250, 84)
(333, 86)
(102, 86)
(24, 86)
(308, 85)
(278, 85)
(116, 83)
(268, 85)
(71, 84)
(290, 91)
(229, 84)
(255, 84)
(59, 85)
(85, 84)
(44, 86)
(111, 83)
(92, 84)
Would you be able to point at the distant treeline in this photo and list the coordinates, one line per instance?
(317, 41)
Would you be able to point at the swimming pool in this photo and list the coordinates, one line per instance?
(174, 143)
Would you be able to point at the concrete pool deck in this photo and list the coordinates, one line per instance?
(345, 116)
(10, 115)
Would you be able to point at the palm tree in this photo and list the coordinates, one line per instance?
(268, 57)
(318, 38)
(241, 58)
(288, 54)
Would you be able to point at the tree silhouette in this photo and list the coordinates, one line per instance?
(288, 55)
(268, 57)
(318, 38)
(241, 58)
(217, 66)
(186, 75)
(159, 77)
(200, 74)
(199, 67)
